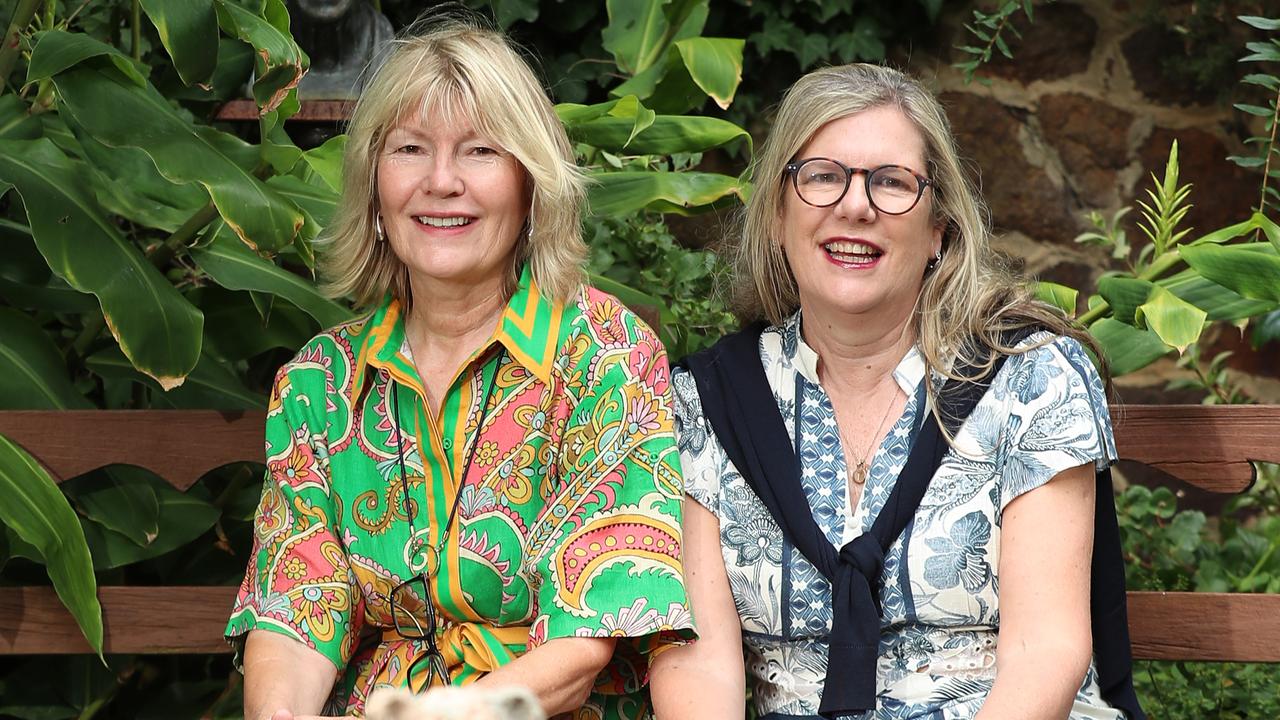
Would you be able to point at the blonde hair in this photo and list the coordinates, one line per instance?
(968, 300)
(456, 69)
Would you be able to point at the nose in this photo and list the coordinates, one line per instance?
(856, 204)
(442, 177)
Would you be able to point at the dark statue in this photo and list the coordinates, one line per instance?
(342, 37)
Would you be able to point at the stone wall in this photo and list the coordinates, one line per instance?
(1079, 121)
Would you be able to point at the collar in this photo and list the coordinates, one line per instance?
(529, 329)
(908, 373)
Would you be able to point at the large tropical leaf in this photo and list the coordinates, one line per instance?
(181, 518)
(234, 331)
(636, 34)
(122, 503)
(56, 51)
(209, 386)
(33, 375)
(236, 267)
(33, 507)
(1060, 296)
(119, 114)
(683, 193)
(1251, 270)
(280, 62)
(1219, 302)
(189, 31)
(156, 327)
(715, 64)
(666, 134)
(1127, 348)
(1125, 295)
(15, 122)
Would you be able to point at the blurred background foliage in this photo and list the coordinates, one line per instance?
(155, 257)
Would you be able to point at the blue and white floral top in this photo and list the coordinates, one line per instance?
(1045, 412)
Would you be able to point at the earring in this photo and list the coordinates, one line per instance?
(528, 223)
(378, 232)
(933, 262)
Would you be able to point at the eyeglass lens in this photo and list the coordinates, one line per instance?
(410, 600)
(892, 189)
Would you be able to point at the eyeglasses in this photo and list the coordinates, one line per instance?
(406, 599)
(823, 182)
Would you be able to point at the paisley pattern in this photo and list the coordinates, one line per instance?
(568, 522)
(1045, 412)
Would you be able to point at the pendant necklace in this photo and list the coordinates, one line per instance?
(859, 473)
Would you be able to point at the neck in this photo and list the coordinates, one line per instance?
(856, 352)
(448, 320)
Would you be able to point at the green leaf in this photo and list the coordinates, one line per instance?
(638, 116)
(233, 330)
(184, 153)
(813, 49)
(715, 64)
(57, 51)
(1059, 296)
(326, 161)
(636, 33)
(1261, 23)
(932, 8)
(156, 327)
(181, 518)
(280, 62)
(1251, 270)
(123, 504)
(508, 12)
(210, 386)
(666, 135)
(1219, 302)
(189, 32)
(33, 507)
(16, 122)
(1127, 348)
(683, 193)
(234, 266)
(33, 375)
(1124, 295)
(1177, 322)
(1253, 109)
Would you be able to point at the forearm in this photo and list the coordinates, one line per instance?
(283, 674)
(560, 672)
(689, 682)
(1037, 683)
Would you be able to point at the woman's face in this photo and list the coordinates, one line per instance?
(452, 202)
(849, 257)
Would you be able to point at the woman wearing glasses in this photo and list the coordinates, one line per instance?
(896, 541)
(476, 480)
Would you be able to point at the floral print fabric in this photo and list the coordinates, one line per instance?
(568, 523)
(1045, 412)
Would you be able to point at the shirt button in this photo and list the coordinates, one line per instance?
(448, 443)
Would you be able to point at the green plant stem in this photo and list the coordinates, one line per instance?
(161, 254)
(136, 29)
(1266, 166)
(93, 327)
(1262, 562)
(10, 50)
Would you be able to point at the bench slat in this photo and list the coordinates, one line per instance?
(178, 445)
(1165, 626)
(1205, 445)
(1226, 627)
(161, 620)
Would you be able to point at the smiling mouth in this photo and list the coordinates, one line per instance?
(852, 253)
(444, 222)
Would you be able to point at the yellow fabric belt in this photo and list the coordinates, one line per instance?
(470, 650)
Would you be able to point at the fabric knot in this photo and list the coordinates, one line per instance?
(865, 555)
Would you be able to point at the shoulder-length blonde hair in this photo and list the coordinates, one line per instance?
(968, 299)
(456, 69)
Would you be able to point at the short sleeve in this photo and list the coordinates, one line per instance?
(1058, 416)
(699, 452)
(612, 567)
(298, 582)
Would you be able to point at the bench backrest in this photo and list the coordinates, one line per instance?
(1206, 446)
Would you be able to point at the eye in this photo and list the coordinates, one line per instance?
(409, 149)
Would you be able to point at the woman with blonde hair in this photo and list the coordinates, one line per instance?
(476, 480)
(892, 476)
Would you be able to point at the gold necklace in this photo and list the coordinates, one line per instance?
(859, 473)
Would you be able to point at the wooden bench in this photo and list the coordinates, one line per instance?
(1205, 446)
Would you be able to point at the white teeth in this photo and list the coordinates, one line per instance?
(851, 248)
(443, 222)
